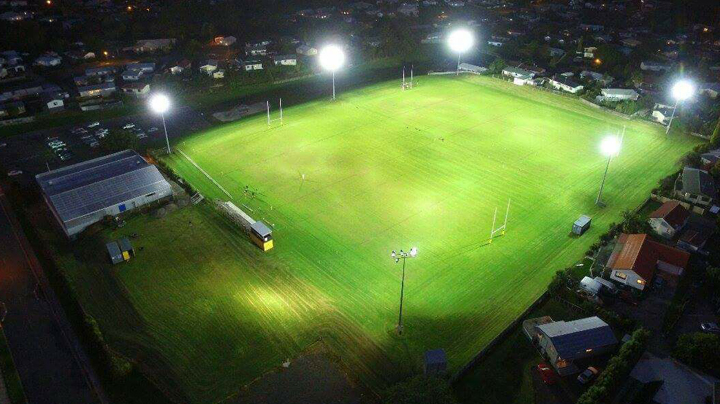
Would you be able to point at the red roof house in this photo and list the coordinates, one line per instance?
(669, 218)
(636, 260)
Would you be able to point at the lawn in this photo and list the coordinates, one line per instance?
(343, 183)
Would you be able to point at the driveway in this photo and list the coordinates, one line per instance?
(52, 366)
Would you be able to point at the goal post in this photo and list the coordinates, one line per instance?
(270, 119)
(495, 231)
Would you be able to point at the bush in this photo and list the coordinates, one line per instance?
(699, 350)
(617, 370)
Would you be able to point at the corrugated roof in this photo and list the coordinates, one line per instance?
(697, 182)
(573, 338)
(638, 253)
(87, 187)
(261, 229)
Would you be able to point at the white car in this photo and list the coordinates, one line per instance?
(129, 125)
(3, 145)
(94, 124)
(13, 173)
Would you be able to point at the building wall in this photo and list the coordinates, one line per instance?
(662, 228)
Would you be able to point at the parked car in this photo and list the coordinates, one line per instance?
(13, 173)
(586, 376)
(153, 129)
(547, 374)
(3, 145)
(712, 328)
(129, 125)
(94, 124)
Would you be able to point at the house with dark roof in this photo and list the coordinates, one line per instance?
(696, 234)
(710, 158)
(667, 381)
(668, 219)
(636, 260)
(565, 83)
(695, 186)
(567, 341)
(84, 193)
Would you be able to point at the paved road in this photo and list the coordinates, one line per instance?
(52, 365)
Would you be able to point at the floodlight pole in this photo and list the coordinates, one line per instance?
(457, 73)
(598, 201)
(167, 139)
(672, 116)
(333, 80)
(397, 257)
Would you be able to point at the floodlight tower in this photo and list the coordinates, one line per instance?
(609, 147)
(332, 58)
(402, 255)
(681, 91)
(460, 41)
(160, 104)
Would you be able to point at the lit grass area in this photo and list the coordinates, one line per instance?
(205, 311)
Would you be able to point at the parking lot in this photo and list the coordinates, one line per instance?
(24, 156)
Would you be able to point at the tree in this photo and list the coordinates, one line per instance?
(715, 138)
(497, 65)
(633, 223)
(699, 350)
(420, 390)
(118, 140)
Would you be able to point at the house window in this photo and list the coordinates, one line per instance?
(640, 282)
(150, 194)
(621, 275)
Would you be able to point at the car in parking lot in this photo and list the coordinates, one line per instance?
(711, 328)
(13, 173)
(94, 124)
(129, 125)
(586, 376)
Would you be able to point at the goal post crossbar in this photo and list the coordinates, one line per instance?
(269, 119)
(502, 228)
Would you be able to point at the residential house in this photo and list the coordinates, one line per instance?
(225, 40)
(11, 109)
(209, 66)
(53, 101)
(695, 186)
(636, 260)
(667, 381)
(618, 94)
(218, 74)
(138, 90)
(630, 42)
(669, 219)
(97, 90)
(256, 50)
(564, 342)
(180, 67)
(655, 66)
(591, 27)
(12, 16)
(696, 234)
(517, 72)
(285, 60)
(48, 61)
(595, 76)
(100, 71)
(306, 50)
(132, 75)
(589, 52)
(564, 83)
(710, 89)
(556, 52)
(153, 45)
(662, 113)
(21, 90)
(710, 158)
(146, 68)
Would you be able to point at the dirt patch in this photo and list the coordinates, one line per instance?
(313, 378)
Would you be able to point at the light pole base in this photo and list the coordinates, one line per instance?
(399, 329)
(600, 204)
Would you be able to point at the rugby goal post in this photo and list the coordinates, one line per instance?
(503, 228)
(270, 120)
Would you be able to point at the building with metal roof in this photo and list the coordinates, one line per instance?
(567, 341)
(695, 186)
(636, 260)
(84, 193)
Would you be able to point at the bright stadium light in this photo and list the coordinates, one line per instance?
(610, 147)
(460, 41)
(681, 91)
(160, 104)
(332, 58)
(402, 255)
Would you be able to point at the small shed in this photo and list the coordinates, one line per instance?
(435, 362)
(581, 225)
(590, 285)
(113, 249)
(261, 230)
(126, 248)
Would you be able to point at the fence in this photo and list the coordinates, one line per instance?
(17, 121)
(685, 205)
(500, 337)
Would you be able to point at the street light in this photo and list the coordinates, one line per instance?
(332, 58)
(681, 91)
(460, 41)
(610, 147)
(402, 255)
(160, 104)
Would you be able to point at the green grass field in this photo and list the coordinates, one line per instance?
(205, 312)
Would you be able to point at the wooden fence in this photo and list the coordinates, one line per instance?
(685, 205)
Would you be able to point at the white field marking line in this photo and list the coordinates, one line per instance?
(205, 173)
